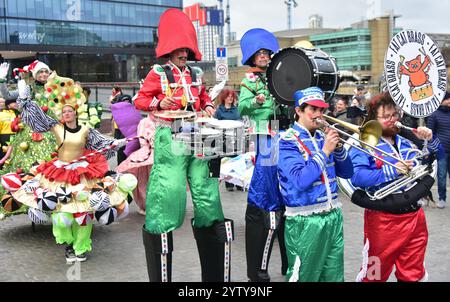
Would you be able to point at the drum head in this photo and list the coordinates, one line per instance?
(225, 124)
(174, 114)
(202, 120)
(289, 70)
(209, 132)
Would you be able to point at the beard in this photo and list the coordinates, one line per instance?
(391, 131)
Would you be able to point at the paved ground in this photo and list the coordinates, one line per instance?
(118, 253)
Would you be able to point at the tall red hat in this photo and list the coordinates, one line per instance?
(175, 30)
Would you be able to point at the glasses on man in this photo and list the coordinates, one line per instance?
(263, 53)
(394, 116)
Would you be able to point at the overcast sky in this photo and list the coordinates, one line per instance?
(426, 16)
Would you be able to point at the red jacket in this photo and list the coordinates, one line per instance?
(156, 85)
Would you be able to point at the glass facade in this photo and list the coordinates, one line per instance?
(88, 24)
(351, 48)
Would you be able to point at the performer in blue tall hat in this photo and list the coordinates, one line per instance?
(263, 217)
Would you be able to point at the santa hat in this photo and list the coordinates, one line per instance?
(175, 31)
(33, 68)
(36, 66)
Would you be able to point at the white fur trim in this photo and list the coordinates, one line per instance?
(323, 207)
(425, 277)
(296, 270)
(40, 65)
(365, 262)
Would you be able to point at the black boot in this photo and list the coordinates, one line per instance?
(214, 249)
(158, 252)
(260, 232)
(282, 244)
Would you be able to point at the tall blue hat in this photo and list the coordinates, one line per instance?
(254, 40)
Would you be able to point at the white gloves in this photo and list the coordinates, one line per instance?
(24, 90)
(4, 67)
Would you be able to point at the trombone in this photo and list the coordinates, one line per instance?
(369, 136)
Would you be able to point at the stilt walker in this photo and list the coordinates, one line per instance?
(169, 87)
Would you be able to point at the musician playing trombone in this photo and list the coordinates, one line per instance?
(308, 163)
(394, 233)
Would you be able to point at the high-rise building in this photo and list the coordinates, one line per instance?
(89, 40)
(209, 25)
(315, 21)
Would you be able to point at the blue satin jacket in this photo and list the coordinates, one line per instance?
(303, 188)
(373, 174)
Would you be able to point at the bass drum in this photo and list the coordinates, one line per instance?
(291, 69)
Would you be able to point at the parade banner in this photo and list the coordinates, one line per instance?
(415, 72)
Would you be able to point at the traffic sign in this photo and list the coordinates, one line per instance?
(221, 70)
(221, 52)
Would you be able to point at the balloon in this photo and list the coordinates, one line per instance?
(99, 201)
(31, 185)
(122, 210)
(83, 218)
(82, 195)
(11, 182)
(127, 183)
(9, 204)
(64, 194)
(47, 202)
(106, 217)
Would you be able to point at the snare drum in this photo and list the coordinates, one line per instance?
(291, 69)
(202, 142)
(235, 138)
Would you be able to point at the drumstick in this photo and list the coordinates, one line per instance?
(422, 51)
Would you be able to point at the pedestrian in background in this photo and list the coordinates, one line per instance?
(439, 123)
(227, 110)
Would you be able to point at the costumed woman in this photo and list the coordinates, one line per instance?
(75, 185)
(26, 146)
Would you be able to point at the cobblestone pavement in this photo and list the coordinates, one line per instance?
(118, 253)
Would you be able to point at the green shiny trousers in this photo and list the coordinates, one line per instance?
(77, 236)
(315, 247)
(166, 190)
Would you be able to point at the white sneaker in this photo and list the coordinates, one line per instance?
(441, 204)
(142, 212)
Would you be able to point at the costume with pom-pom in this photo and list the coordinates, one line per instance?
(39, 146)
(82, 177)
